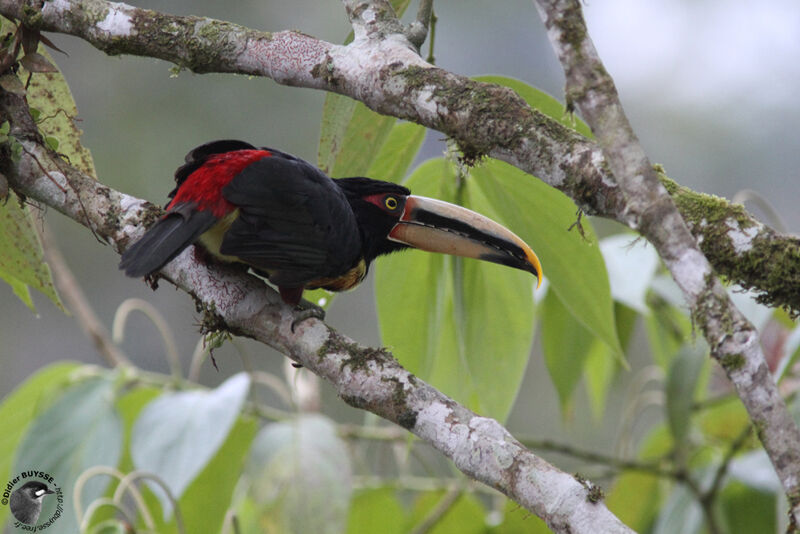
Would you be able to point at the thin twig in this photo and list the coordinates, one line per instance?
(711, 493)
(79, 305)
(155, 316)
(618, 464)
(417, 31)
(434, 19)
(444, 505)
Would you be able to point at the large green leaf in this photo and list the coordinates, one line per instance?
(398, 152)
(637, 497)
(19, 408)
(465, 516)
(177, 434)
(205, 503)
(601, 366)
(22, 263)
(498, 322)
(464, 325)
(566, 345)
(351, 135)
(208, 498)
(572, 262)
(79, 431)
(376, 510)
(680, 388)
(748, 510)
(300, 477)
(49, 94)
(517, 520)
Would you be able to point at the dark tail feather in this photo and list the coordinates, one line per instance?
(165, 240)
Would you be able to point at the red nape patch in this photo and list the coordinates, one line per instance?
(204, 186)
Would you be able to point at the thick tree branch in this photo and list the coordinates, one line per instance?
(649, 208)
(366, 378)
(383, 70)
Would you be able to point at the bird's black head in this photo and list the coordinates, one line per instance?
(391, 218)
(378, 207)
(35, 489)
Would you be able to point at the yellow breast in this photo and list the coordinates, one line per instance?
(348, 280)
(212, 238)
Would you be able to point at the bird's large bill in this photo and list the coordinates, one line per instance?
(437, 226)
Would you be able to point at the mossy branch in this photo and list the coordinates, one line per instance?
(741, 248)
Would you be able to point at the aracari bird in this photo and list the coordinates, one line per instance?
(289, 222)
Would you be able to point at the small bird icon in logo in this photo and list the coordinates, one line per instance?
(26, 502)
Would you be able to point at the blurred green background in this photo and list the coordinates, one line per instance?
(708, 85)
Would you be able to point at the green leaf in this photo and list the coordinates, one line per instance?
(599, 370)
(52, 142)
(128, 406)
(376, 510)
(79, 431)
(517, 520)
(667, 330)
(635, 499)
(206, 501)
(541, 101)
(351, 135)
(573, 265)
(22, 263)
(465, 516)
(754, 469)
(398, 152)
(177, 434)
(680, 392)
(413, 289)
(723, 421)
(682, 512)
(209, 497)
(49, 93)
(601, 366)
(566, 345)
(747, 510)
(19, 408)
(299, 474)
(464, 325)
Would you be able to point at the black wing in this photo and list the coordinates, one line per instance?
(165, 239)
(294, 221)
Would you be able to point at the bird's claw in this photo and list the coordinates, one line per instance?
(306, 310)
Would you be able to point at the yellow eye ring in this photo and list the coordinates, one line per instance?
(391, 203)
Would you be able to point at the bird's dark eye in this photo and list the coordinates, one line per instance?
(390, 203)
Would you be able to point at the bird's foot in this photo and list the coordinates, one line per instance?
(306, 310)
